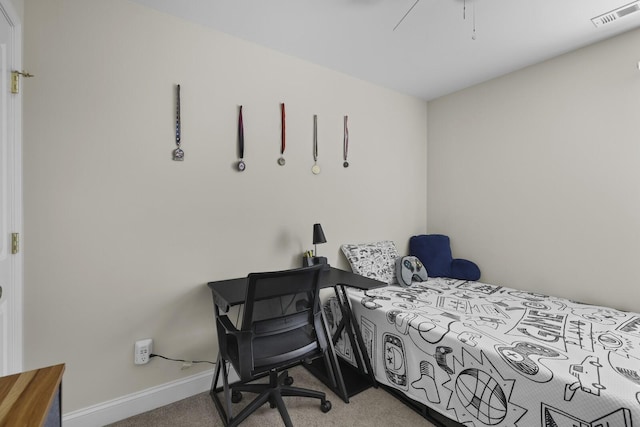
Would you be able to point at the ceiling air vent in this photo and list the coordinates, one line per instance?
(614, 15)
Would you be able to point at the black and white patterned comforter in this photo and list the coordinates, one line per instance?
(487, 355)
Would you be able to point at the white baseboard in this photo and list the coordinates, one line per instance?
(137, 403)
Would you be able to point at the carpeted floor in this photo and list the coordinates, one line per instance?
(373, 407)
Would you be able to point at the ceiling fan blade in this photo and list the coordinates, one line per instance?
(405, 15)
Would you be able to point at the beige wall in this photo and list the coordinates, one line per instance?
(535, 175)
(120, 240)
(19, 7)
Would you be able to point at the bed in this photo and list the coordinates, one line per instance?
(488, 355)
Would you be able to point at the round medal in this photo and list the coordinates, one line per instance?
(315, 169)
(281, 161)
(241, 166)
(345, 164)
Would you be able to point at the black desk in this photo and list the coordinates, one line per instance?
(227, 293)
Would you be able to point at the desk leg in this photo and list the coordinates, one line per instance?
(357, 344)
(335, 374)
(224, 414)
(345, 379)
(346, 324)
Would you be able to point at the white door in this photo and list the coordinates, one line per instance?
(10, 194)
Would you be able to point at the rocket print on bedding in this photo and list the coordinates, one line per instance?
(487, 355)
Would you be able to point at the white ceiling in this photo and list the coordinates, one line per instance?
(430, 54)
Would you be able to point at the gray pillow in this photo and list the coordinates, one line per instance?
(409, 269)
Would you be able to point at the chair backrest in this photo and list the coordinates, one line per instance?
(278, 294)
(282, 317)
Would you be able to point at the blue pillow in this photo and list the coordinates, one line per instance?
(464, 270)
(434, 251)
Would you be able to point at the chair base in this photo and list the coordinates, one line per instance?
(279, 386)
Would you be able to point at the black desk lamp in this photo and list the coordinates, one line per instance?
(318, 237)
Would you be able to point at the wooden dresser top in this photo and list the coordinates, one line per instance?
(25, 398)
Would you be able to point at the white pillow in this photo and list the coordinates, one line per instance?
(375, 260)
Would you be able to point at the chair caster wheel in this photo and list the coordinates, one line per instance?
(325, 406)
(236, 396)
(288, 381)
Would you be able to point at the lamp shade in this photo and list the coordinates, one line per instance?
(318, 234)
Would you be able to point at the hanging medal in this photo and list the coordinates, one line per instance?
(178, 154)
(241, 165)
(281, 160)
(315, 168)
(345, 143)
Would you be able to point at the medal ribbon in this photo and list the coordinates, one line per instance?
(345, 144)
(282, 117)
(178, 117)
(241, 134)
(315, 138)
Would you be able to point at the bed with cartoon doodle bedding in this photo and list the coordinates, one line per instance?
(487, 355)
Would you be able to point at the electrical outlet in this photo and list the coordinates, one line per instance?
(142, 350)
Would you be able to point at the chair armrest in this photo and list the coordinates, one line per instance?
(236, 346)
(226, 324)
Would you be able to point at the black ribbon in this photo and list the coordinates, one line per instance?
(240, 134)
(282, 117)
(178, 116)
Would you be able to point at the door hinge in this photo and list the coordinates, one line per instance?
(15, 243)
(15, 80)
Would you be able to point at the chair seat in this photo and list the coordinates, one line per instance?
(275, 349)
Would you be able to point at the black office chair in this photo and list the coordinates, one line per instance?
(281, 327)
